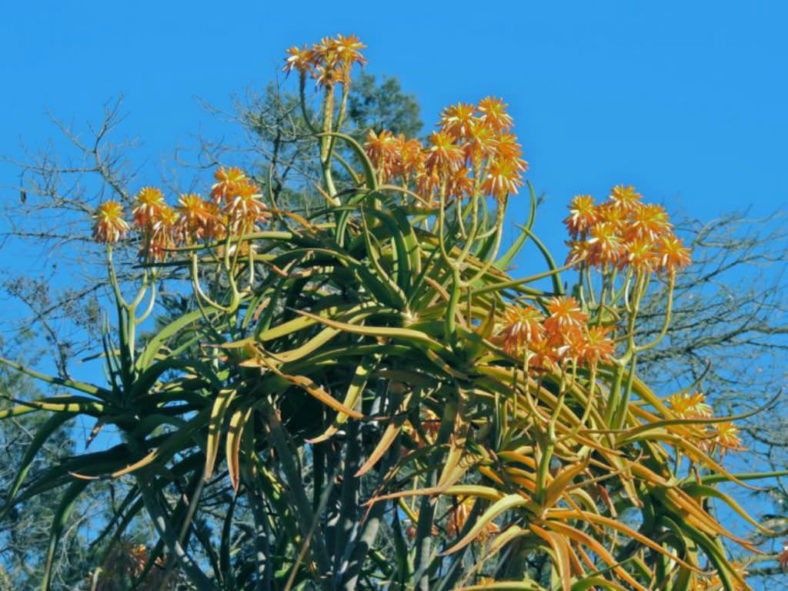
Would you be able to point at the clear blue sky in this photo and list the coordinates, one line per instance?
(686, 100)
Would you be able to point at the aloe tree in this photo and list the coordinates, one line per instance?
(365, 395)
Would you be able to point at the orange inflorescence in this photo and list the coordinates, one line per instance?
(623, 232)
(235, 208)
(723, 436)
(329, 61)
(473, 152)
(546, 340)
(109, 224)
(200, 219)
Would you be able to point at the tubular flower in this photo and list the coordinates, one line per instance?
(482, 142)
(493, 113)
(229, 182)
(672, 254)
(625, 198)
(299, 59)
(458, 120)
(596, 346)
(640, 255)
(109, 224)
(726, 436)
(245, 208)
(328, 61)
(521, 327)
(198, 218)
(384, 151)
(605, 245)
(582, 215)
(503, 179)
(649, 222)
(150, 204)
(161, 234)
(349, 49)
(689, 406)
(443, 155)
(411, 161)
(565, 317)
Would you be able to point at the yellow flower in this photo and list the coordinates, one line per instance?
(110, 225)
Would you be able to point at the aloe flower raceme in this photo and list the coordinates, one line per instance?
(374, 401)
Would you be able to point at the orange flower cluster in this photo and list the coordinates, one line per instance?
(234, 209)
(563, 334)
(474, 152)
(109, 224)
(328, 62)
(723, 436)
(623, 232)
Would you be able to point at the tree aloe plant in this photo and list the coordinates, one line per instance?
(366, 397)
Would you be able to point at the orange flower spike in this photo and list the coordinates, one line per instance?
(690, 406)
(672, 254)
(579, 252)
(605, 245)
(640, 255)
(727, 437)
(458, 120)
(481, 142)
(625, 198)
(502, 179)
(650, 221)
(508, 148)
(411, 160)
(521, 327)
(384, 151)
(597, 346)
(109, 224)
(150, 202)
(460, 184)
(162, 230)
(443, 155)
(493, 113)
(582, 215)
(299, 59)
(245, 209)
(349, 48)
(228, 182)
(565, 316)
(197, 215)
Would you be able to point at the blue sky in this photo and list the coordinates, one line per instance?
(686, 100)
